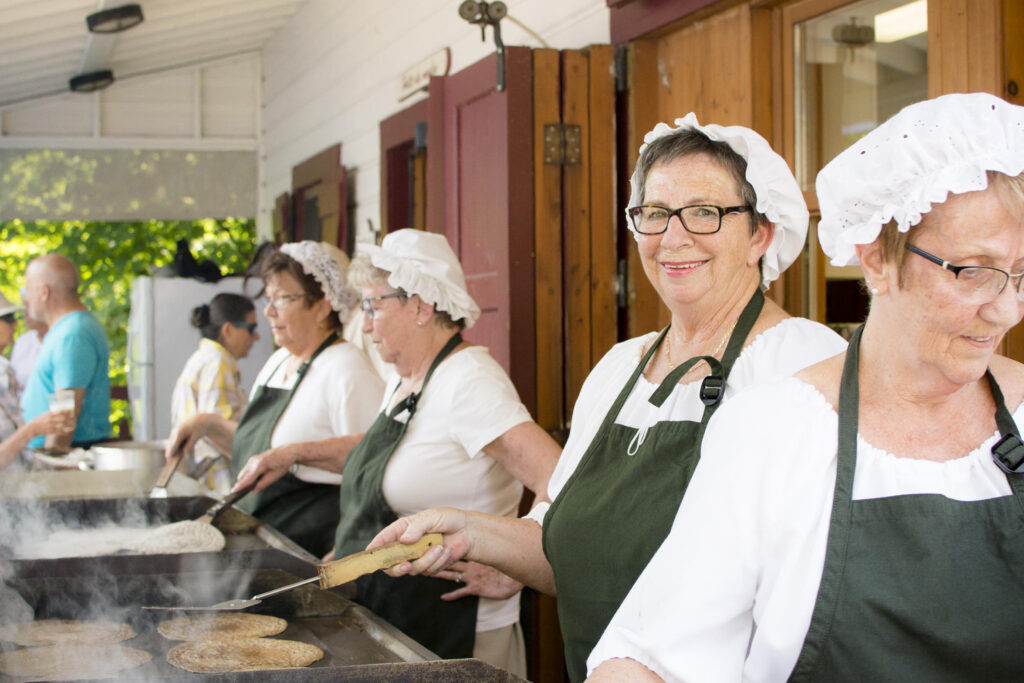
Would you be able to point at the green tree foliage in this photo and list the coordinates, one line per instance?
(110, 255)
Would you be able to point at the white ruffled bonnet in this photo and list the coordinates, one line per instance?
(423, 263)
(329, 267)
(914, 160)
(778, 194)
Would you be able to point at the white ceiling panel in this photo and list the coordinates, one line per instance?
(43, 42)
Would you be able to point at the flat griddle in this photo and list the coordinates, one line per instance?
(357, 644)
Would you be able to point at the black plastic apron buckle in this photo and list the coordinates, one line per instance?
(1009, 454)
(711, 390)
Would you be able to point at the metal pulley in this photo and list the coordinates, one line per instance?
(488, 14)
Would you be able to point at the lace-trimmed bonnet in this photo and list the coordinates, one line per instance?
(913, 161)
(329, 267)
(424, 264)
(778, 194)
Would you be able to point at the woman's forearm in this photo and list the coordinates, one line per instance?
(327, 454)
(219, 430)
(512, 546)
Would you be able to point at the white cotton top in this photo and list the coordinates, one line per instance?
(468, 403)
(729, 595)
(339, 396)
(779, 351)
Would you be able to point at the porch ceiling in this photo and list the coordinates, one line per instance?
(43, 43)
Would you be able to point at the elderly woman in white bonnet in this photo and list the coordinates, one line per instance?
(450, 431)
(315, 394)
(717, 215)
(864, 520)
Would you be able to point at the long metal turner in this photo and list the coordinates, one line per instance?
(334, 573)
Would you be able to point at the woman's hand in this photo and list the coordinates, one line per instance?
(183, 438)
(448, 521)
(266, 468)
(479, 579)
(59, 422)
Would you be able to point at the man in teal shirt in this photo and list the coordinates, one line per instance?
(74, 355)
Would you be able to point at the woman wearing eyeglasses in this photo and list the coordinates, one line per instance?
(313, 394)
(864, 520)
(210, 381)
(451, 430)
(716, 215)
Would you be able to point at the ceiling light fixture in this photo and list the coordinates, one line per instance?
(114, 19)
(92, 81)
(902, 22)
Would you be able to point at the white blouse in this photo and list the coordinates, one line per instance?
(779, 351)
(729, 595)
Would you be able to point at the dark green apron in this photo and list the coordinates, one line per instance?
(618, 506)
(918, 587)
(304, 512)
(411, 603)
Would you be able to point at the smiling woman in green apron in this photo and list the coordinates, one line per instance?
(316, 394)
(864, 520)
(716, 215)
(451, 431)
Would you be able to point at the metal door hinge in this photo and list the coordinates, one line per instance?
(621, 285)
(562, 144)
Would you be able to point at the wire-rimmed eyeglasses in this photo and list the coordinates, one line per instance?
(975, 284)
(700, 219)
(366, 303)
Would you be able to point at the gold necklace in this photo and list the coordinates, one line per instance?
(672, 366)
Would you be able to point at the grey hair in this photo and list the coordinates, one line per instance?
(689, 142)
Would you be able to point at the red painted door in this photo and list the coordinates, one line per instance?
(488, 204)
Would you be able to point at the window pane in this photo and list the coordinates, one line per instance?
(855, 67)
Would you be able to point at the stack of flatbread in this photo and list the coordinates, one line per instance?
(234, 641)
(63, 649)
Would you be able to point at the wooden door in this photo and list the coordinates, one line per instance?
(717, 67)
(403, 158)
(488, 204)
(319, 201)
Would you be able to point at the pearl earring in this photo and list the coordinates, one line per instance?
(874, 291)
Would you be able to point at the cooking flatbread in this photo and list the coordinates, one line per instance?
(188, 536)
(56, 631)
(229, 624)
(71, 662)
(221, 655)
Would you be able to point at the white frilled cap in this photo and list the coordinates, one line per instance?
(329, 267)
(778, 194)
(913, 161)
(422, 263)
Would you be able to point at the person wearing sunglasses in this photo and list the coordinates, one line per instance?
(314, 395)
(864, 520)
(14, 432)
(210, 381)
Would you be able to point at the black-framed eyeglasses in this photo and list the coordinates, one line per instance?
(976, 284)
(700, 219)
(251, 327)
(368, 310)
(9, 318)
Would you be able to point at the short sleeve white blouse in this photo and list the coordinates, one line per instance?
(729, 595)
(779, 351)
(468, 403)
(338, 396)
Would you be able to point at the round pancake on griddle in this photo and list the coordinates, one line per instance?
(222, 655)
(56, 631)
(231, 624)
(71, 662)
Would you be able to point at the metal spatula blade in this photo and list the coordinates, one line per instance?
(238, 603)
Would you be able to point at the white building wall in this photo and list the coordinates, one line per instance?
(331, 75)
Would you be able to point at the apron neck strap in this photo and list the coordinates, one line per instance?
(713, 386)
(410, 401)
(331, 338)
(1008, 452)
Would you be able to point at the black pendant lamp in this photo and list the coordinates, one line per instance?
(115, 19)
(92, 81)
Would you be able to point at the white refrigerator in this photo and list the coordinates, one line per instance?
(161, 338)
